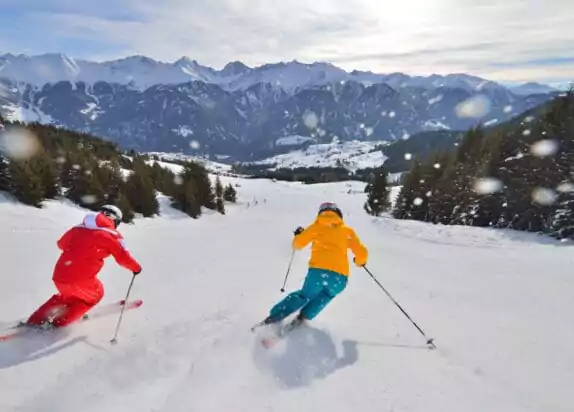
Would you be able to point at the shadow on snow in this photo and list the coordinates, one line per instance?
(303, 356)
(34, 345)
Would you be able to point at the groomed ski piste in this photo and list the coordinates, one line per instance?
(499, 305)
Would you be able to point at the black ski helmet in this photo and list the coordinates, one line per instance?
(113, 212)
(330, 207)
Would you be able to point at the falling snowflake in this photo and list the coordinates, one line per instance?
(310, 119)
(435, 99)
(392, 114)
(194, 144)
(406, 136)
(437, 165)
(178, 180)
(429, 193)
(507, 109)
(487, 185)
(528, 119)
(19, 144)
(418, 201)
(383, 113)
(475, 107)
(408, 156)
(546, 147)
(565, 187)
(76, 167)
(89, 199)
(61, 160)
(369, 131)
(544, 196)
(527, 132)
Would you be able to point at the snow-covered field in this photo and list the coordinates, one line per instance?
(210, 165)
(498, 303)
(352, 155)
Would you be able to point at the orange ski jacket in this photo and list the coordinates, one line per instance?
(331, 240)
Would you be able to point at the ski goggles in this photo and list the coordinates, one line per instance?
(330, 207)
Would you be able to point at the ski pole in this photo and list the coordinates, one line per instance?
(115, 338)
(288, 270)
(430, 341)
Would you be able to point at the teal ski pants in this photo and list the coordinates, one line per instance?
(320, 287)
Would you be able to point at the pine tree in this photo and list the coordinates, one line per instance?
(196, 171)
(218, 187)
(112, 179)
(442, 201)
(378, 193)
(485, 208)
(45, 167)
(140, 191)
(230, 194)
(186, 199)
(467, 159)
(560, 127)
(407, 200)
(561, 225)
(121, 201)
(26, 185)
(5, 180)
(85, 189)
(219, 204)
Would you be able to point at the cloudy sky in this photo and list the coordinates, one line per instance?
(503, 40)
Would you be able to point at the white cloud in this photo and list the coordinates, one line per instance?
(501, 40)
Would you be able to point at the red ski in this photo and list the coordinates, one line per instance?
(101, 311)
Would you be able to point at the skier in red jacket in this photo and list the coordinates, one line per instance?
(84, 248)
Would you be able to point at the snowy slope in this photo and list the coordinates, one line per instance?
(498, 304)
(210, 165)
(352, 155)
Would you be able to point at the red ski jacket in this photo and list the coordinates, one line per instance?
(84, 248)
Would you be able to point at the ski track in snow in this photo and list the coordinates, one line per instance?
(498, 304)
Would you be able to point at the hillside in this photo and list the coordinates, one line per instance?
(518, 176)
(39, 162)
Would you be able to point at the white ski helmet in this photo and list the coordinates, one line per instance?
(113, 212)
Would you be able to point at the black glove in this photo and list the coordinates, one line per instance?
(298, 231)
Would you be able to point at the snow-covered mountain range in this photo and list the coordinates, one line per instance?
(248, 113)
(142, 72)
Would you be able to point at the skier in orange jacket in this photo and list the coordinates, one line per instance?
(328, 267)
